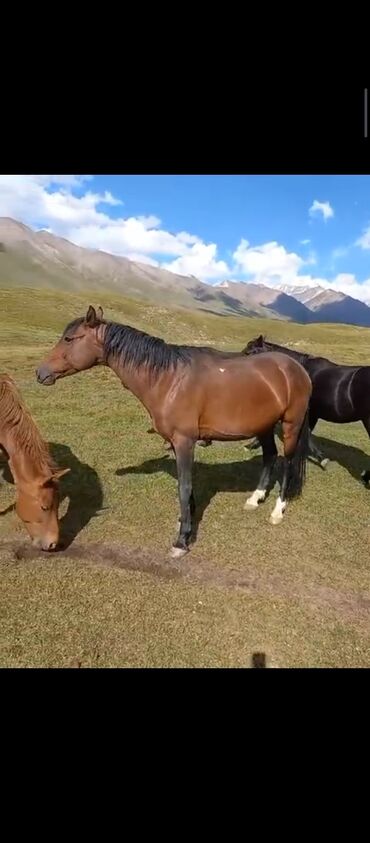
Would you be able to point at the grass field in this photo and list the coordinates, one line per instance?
(299, 592)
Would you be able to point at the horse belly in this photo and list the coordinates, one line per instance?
(338, 394)
(234, 412)
(335, 405)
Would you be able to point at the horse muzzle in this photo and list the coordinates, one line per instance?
(45, 544)
(45, 376)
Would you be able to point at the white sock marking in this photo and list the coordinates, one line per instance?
(258, 495)
(278, 512)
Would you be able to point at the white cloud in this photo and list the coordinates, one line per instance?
(273, 265)
(149, 222)
(305, 242)
(364, 240)
(200, 261)
(32, 200)
(267, 263)
(346, 279)
(323, 208)
(138, 258)
(347, 283)
(125, 236)
(50, 202)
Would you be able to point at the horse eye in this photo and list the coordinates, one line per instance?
(68, 339)
(45, 508)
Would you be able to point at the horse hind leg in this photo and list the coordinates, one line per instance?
(317, 454)
(278, 512)
(269, 453)
(365, 475)
(296, 450)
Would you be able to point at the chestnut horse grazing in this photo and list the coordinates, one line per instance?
(34, 473)
(196, 393)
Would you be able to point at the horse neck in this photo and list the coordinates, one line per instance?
(138, 380)
(22, 465)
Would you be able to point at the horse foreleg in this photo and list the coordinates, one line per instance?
(269, 452)
(184, 451)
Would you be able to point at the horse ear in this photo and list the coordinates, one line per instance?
(56, 475)
(91, 319)
(60, 472)
(260, 339)
(100, 313)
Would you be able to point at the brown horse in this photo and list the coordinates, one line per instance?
(34, 473)
(194, 393)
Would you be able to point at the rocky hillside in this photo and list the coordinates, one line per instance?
(38, 259)
(330, 305)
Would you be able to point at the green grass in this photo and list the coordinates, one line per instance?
(299, 592)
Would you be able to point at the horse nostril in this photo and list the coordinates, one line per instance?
(52, 546)
(44, 376)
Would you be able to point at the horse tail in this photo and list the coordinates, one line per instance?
(298, 461)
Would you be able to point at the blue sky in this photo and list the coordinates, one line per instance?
(269, 229)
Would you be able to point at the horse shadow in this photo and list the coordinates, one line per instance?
(81, 486)
(354, 460)
(208, 479)
(243, 475)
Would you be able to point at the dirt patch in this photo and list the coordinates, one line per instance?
(349, 605)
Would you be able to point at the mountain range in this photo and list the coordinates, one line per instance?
(41, 259)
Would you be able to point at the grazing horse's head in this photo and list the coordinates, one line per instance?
(32, 468)
(255, 345)
(79, 348)
(37, 503)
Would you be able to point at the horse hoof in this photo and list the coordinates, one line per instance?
(258, 496)
(178, 552)
(250, 505)
(365, 477)
(324, 463)
(276, 519)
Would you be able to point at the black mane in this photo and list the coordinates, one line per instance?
(299, 355)
(303, 354)
(136, 348)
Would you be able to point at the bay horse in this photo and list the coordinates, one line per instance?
(340, 393)
(194, 393)
(34, 473)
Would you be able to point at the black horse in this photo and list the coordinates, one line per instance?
(340, 393)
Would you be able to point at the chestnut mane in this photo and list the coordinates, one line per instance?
(18, 423)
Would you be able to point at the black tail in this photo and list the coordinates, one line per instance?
(298, 461)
